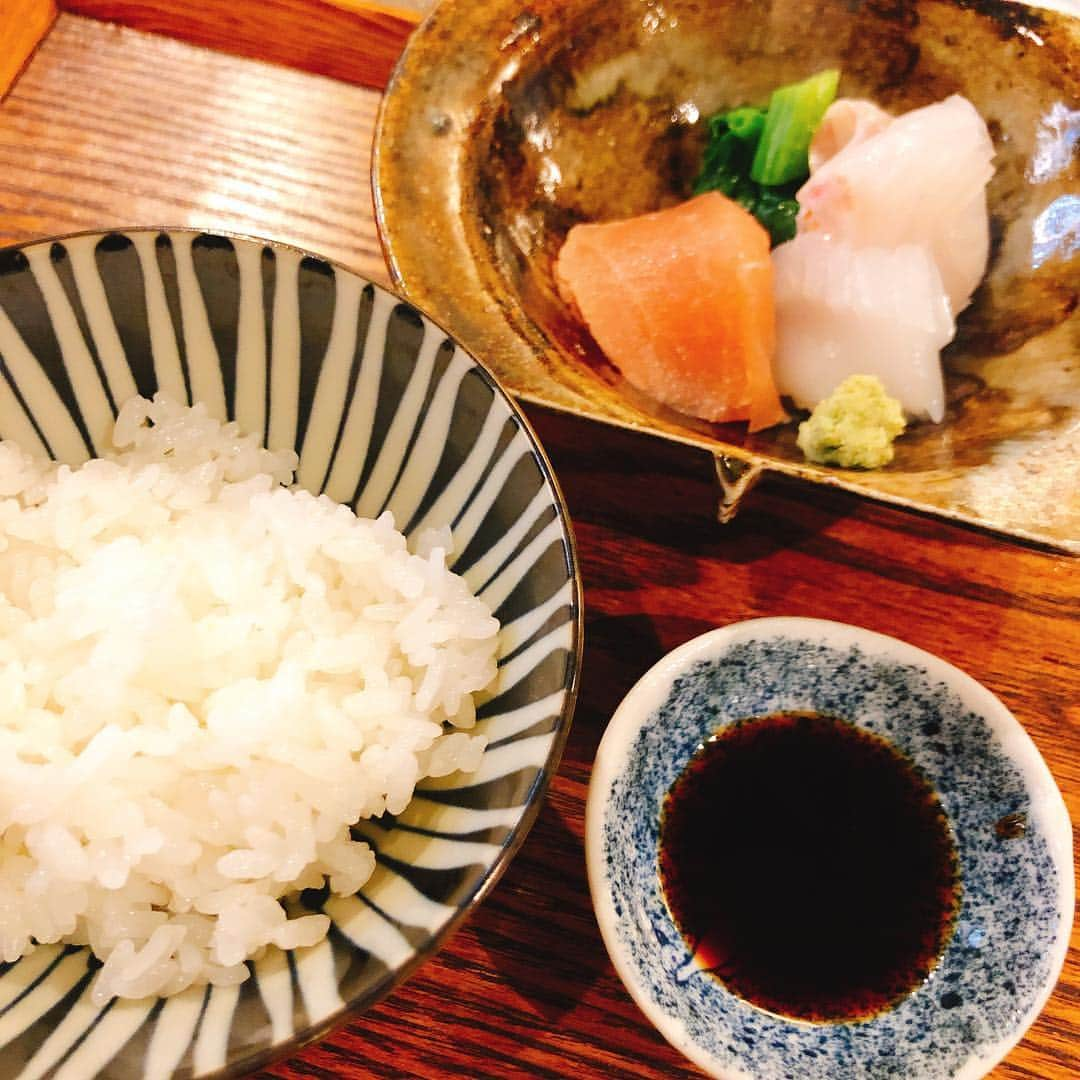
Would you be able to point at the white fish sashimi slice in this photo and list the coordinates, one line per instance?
(847, 122)
(898, 284)
(843, 310)
(962, 250)
(923, 164)
(920, 180)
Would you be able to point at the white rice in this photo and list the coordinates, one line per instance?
(205, 679)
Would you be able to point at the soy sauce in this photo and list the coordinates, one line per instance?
(809, 866)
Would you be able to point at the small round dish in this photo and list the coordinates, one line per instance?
(1017, 890)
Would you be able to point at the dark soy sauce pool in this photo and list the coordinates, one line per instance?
(809, 866)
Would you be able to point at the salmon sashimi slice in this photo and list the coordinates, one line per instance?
(681, 301)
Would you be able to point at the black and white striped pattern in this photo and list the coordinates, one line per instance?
(385, 412)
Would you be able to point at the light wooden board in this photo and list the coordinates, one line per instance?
(109, 126)
(23, 23)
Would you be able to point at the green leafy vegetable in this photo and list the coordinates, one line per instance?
(727, 161)
(746, 123)
(777, 209)
(735, 145)
(794, 114)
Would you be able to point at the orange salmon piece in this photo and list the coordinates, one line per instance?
(681, 302)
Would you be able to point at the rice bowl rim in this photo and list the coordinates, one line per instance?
(537, 792)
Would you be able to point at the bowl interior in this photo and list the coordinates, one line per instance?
(594, 110)
(1015, 911)
(386, 412)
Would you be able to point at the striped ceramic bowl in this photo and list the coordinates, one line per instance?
(385, 412)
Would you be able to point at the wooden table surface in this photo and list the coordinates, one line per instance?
(111, 127)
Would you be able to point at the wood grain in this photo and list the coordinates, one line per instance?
(525, 989)
(109, 126)
(23, 23)
(353, 42)
(112, 126)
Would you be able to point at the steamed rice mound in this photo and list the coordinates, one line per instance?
(205, 678)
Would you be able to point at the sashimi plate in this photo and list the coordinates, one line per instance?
(505, 125)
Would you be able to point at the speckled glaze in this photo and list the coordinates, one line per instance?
(507, 123)
(385, 412)
(1013, 925)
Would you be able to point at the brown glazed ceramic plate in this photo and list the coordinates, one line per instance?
(504, 125)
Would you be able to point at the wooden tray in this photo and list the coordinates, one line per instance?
(127, 127)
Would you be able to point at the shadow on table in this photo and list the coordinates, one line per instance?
(641, 495)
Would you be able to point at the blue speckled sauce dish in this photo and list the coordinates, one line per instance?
(1017, 891)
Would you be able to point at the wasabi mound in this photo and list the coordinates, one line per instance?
(854, 427)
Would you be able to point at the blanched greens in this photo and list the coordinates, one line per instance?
(793, 116)
(758, 157)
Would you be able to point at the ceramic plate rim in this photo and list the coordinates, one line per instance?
(651, 691)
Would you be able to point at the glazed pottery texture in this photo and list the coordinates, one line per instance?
(1017, 890)
(504, 126)
(385, 413)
